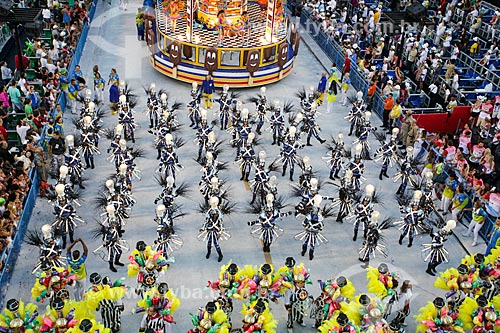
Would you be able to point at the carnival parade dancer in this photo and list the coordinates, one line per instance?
(202, 131)
(257, 317)
(288, 154)
(49, 248)
(296, 297)
(106, 297)
(387, 154)
(113, 246)
(341, 323)
(73, 162)
(383, 283)
(89, 144)
(167, 241)
(146, 264)
(277, 123)
(405, 172)
(363, 212)
(365, 130)
(438, 316)
(126, 118)
(372, 243)
(152, 105)
(213, 228)
(309, 125)
(336, 154)
(435, 252)
(313, 226)
(209, 318)
(159, 305)
(66, 217)
(412, 221)
(194, 105)
(346, 197)
(334, 292)
(52, 283)
(265, 226)
(224, 106)
(19, 317)
(355, 117)
(243, 131)
(247, 157)
(357, 167)
(169, 161)
(260, 182)
(261, 108)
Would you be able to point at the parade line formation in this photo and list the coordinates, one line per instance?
(471, 300)
(467, 296)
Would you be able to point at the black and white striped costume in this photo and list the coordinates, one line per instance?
(110, 314)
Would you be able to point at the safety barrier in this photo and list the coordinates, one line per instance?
(10, 254)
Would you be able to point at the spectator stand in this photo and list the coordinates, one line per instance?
(9, 256)
(61, 100)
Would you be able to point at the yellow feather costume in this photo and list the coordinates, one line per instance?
(93, 297)
(139, 260)
(149, 299)
(27, 313)
(447, 280)
(374, 285)
(330, 326)
(265, 320)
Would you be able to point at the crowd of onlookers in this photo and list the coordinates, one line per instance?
(30, 107)
(424, 61)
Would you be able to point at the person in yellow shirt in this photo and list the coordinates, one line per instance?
(76, 266)
(474, 48)
(376, 17)
(394, 114)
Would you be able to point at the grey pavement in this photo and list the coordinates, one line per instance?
(112, 43)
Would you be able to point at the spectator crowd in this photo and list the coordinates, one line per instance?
(29, 109)
(423, 62)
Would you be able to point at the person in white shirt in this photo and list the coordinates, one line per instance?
(405, 295)
(455, 53)
(43, 60)
(46, 17)
(22, 84)
(22, 128)
(439, 33)
(6, 73)
(455, 85)
(493, 206)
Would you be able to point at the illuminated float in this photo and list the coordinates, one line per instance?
(239, 43)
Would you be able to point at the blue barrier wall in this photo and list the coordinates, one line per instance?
(9, 256)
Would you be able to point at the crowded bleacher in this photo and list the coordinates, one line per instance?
(31, 106)
(431, 66)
